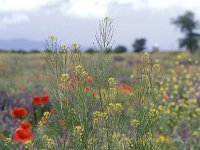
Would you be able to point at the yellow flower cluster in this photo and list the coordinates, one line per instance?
(8, 141)
(146, 57)
(78, 131)
(120, 138)
(64, 77)
(135, 122)
(46, 114)
(81, 71)
(49, 142)
(153, 112)
(114, 107)
(99, 117)
(28, 144)
(111, 81)
(163, 139)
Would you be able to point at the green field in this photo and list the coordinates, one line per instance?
(152, 103)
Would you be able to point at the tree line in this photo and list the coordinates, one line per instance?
(187, 23)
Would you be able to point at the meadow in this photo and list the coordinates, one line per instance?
(65, 99)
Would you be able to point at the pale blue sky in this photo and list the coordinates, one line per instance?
(77, 20)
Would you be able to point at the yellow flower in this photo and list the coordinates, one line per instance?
(163, 139)
(64, 77)
(117, 107)
(111, 81)
(52, 38)
(48, 141)
(46, 114)
(99, 117)
(78, 131)
(135, 122)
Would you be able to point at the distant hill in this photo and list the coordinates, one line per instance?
(24, 44)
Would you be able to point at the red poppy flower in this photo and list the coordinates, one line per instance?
(44, 99)
(19, 112)
(86, 88)
(40, 100)
(25, 125)
(22, 135)
(36, 100)
(124, 88)
(90, 79)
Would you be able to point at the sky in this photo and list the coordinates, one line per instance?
(76, 21)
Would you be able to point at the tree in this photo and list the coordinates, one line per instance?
(90, 51)
(139, 45)
(120, 49)
(187, 25)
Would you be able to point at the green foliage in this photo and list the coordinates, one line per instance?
(90, 51)
(120, 49)
(139, 45)
(187, 25)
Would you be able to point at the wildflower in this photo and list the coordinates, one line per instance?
(165, 96)
(25, 125)
(84, 74)
(46, 114)
(28, 144)
(124, 88)
(153, 112)
(48, 141)
(19, 112)
(90, 79)
(64, 77)
(86, 88)
(111, 81)
(44, 99)
(135, 122)
(8, 142)
(52, 38)
(75, 45)
(146, 57)
(40, 100)
(64, 46)
(162, 139)
(62, 122)
(117, 107)
(78, 131)
(156, 66)
(99, 117)
(106, 19)
(22, 135)
(78, 68)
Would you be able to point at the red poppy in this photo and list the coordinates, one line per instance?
(25, 125)
(124, 88)
(44, 99)
(36, 100)
(22, 135)
(40, 100)
(19, 112)
(86, 88)
(90, 79)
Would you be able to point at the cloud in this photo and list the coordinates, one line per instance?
(92, 8)
(24, 5)
(13, 19)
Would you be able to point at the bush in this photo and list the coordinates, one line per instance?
(120, 49)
